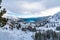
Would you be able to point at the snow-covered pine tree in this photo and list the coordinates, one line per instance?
(3, 21)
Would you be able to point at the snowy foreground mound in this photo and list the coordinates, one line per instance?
(15, 35)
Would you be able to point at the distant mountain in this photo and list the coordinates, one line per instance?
(32, 19)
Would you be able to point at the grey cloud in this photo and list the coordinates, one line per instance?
(12, 5)
(51, 3)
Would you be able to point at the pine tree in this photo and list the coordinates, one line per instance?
(3, 21)
(0, 1)
(36, 36)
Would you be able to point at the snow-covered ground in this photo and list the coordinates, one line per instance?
(15, 35)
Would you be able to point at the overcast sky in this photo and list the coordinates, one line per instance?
(32, 7)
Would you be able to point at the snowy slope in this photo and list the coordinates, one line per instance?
(54, 21)
(8, 34)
